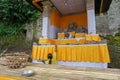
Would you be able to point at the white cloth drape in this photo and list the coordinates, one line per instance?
(52, 32)
(45, 25)
(83, 64)
(91, 21)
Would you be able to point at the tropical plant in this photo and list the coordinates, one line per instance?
(13, 15)
(16, 11)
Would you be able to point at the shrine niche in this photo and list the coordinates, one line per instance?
(69, 34)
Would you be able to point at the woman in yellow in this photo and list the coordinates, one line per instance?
(51, 59)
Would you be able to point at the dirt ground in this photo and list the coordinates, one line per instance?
(20, 47)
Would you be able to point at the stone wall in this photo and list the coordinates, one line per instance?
(34, 29)
(109, 23)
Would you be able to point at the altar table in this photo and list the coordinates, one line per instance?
(73, 53)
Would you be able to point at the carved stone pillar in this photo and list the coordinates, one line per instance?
(29, 33)
(91, 16)
(46, 18)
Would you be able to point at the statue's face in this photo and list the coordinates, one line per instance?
(72, 25)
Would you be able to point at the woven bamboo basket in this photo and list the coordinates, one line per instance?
(14, 61)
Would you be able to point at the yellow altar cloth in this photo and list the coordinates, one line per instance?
(41, 52)
(93, 37)
(44, 41)
(4, 77)
(77, 53)
(61, 41)
(70, 41)
(61, 35)
(72, 33)
(78, 35)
